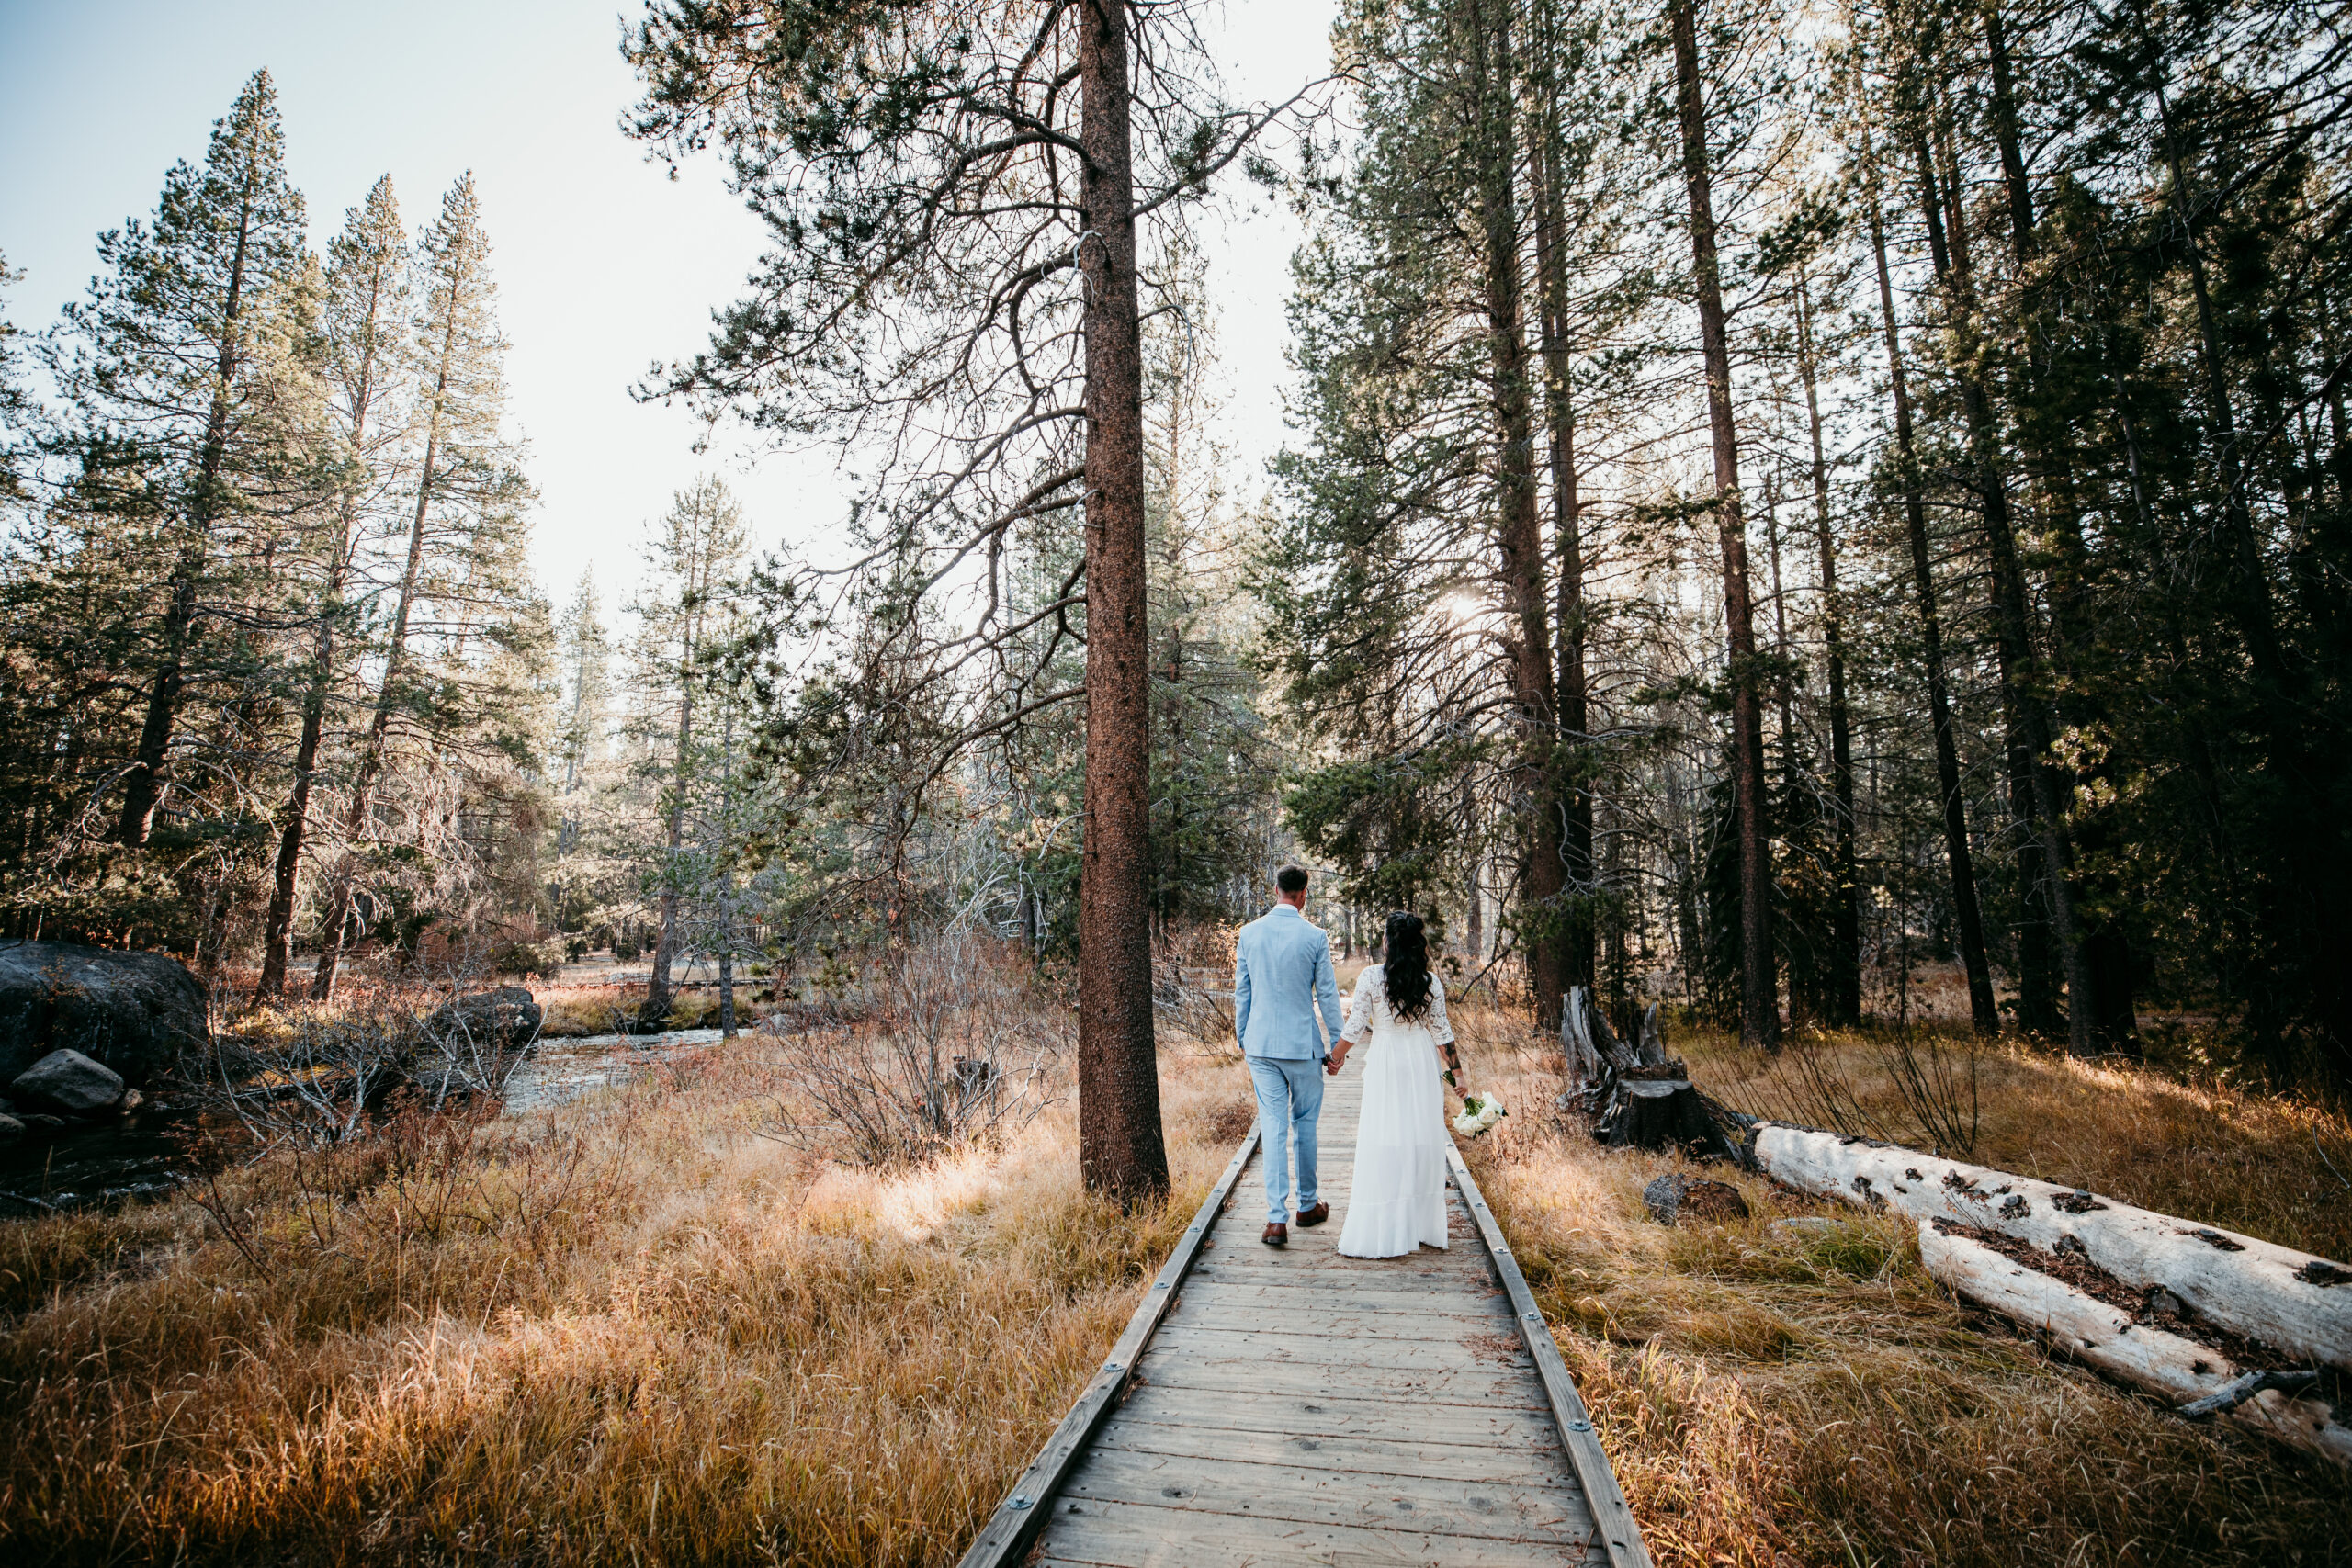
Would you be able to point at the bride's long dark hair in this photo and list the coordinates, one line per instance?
(1404, 964)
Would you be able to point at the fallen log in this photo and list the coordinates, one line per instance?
(2298, 1304)
(2194, 1379)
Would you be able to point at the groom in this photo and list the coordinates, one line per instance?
(1282, 973)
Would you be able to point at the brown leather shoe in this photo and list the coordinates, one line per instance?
(1277, 1235)
(1315, 1216)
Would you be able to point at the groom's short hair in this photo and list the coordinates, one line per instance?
(1291, 879)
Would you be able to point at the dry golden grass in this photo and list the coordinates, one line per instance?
(631, 1331)
(627, 1332)
(573, 1012)
(1771, 1396)
(2252, 1162)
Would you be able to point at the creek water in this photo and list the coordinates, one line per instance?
(144, 1155)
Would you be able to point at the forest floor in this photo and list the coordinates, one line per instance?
(1774, 1394)
(637, 1329)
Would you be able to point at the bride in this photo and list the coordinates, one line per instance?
(1396, 1201)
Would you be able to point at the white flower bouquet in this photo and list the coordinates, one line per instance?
(1479, 1111)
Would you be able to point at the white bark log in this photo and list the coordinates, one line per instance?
(2267, 1292)
(2174, 1369)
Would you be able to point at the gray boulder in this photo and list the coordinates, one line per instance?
(135, 1013)
(10, 1129)
(501, 1020)
(71, 1082)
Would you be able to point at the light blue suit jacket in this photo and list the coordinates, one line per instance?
(1282, 973)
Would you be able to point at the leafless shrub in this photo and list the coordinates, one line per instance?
(1809, 1085)
(954, 1054)
(1933, 1074)
(472, 1041)
(314, 1079)
(1937, 1077)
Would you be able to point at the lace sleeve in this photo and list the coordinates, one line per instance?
(1360, 1007)
(1440, 1030)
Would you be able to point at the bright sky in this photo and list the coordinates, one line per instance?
(605, 264)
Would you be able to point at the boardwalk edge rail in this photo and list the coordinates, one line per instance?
(1018, 1519)
(1620, 1535)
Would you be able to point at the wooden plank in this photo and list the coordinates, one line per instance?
(1349, 1327)
(1350, 1316)
(1018, 1516)
(1502, 1385)
(1530, 1459)
(1219, 1295)
(1135, 1534)
(1619, 1536)
(1312, 1495)
(1480, 1349)
(1295, 1262)
(1342, 1417)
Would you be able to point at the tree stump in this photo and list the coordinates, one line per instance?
(1635, 1096)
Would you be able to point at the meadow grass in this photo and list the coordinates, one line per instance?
(634, 1330)
(572, 1012)
(1778, 1397)
(631, 1330)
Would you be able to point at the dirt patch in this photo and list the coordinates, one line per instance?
(1499, 1348)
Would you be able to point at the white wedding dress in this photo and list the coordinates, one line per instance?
(1397, 1198)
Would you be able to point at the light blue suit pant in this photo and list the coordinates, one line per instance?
(1290, 1100)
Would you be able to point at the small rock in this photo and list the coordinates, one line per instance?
(10, 1128)
(2160, 1302)
(41, 1119)
(71, 1082)
(1664, 1196)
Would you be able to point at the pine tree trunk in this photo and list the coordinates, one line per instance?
(143, 784)
(727, 985)
(1759, 1011)
(1570, 703)
(1121, 1147)
(278, 940)
(2107, 951)
(1960, 858)
(371, 753)
(2004, 133)
(1518, 535)
(2301, 902)
(1846, 923)
(2013, 622)
(658, 991)
(278, 936)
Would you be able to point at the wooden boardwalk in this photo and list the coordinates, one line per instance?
(1294, 1406)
